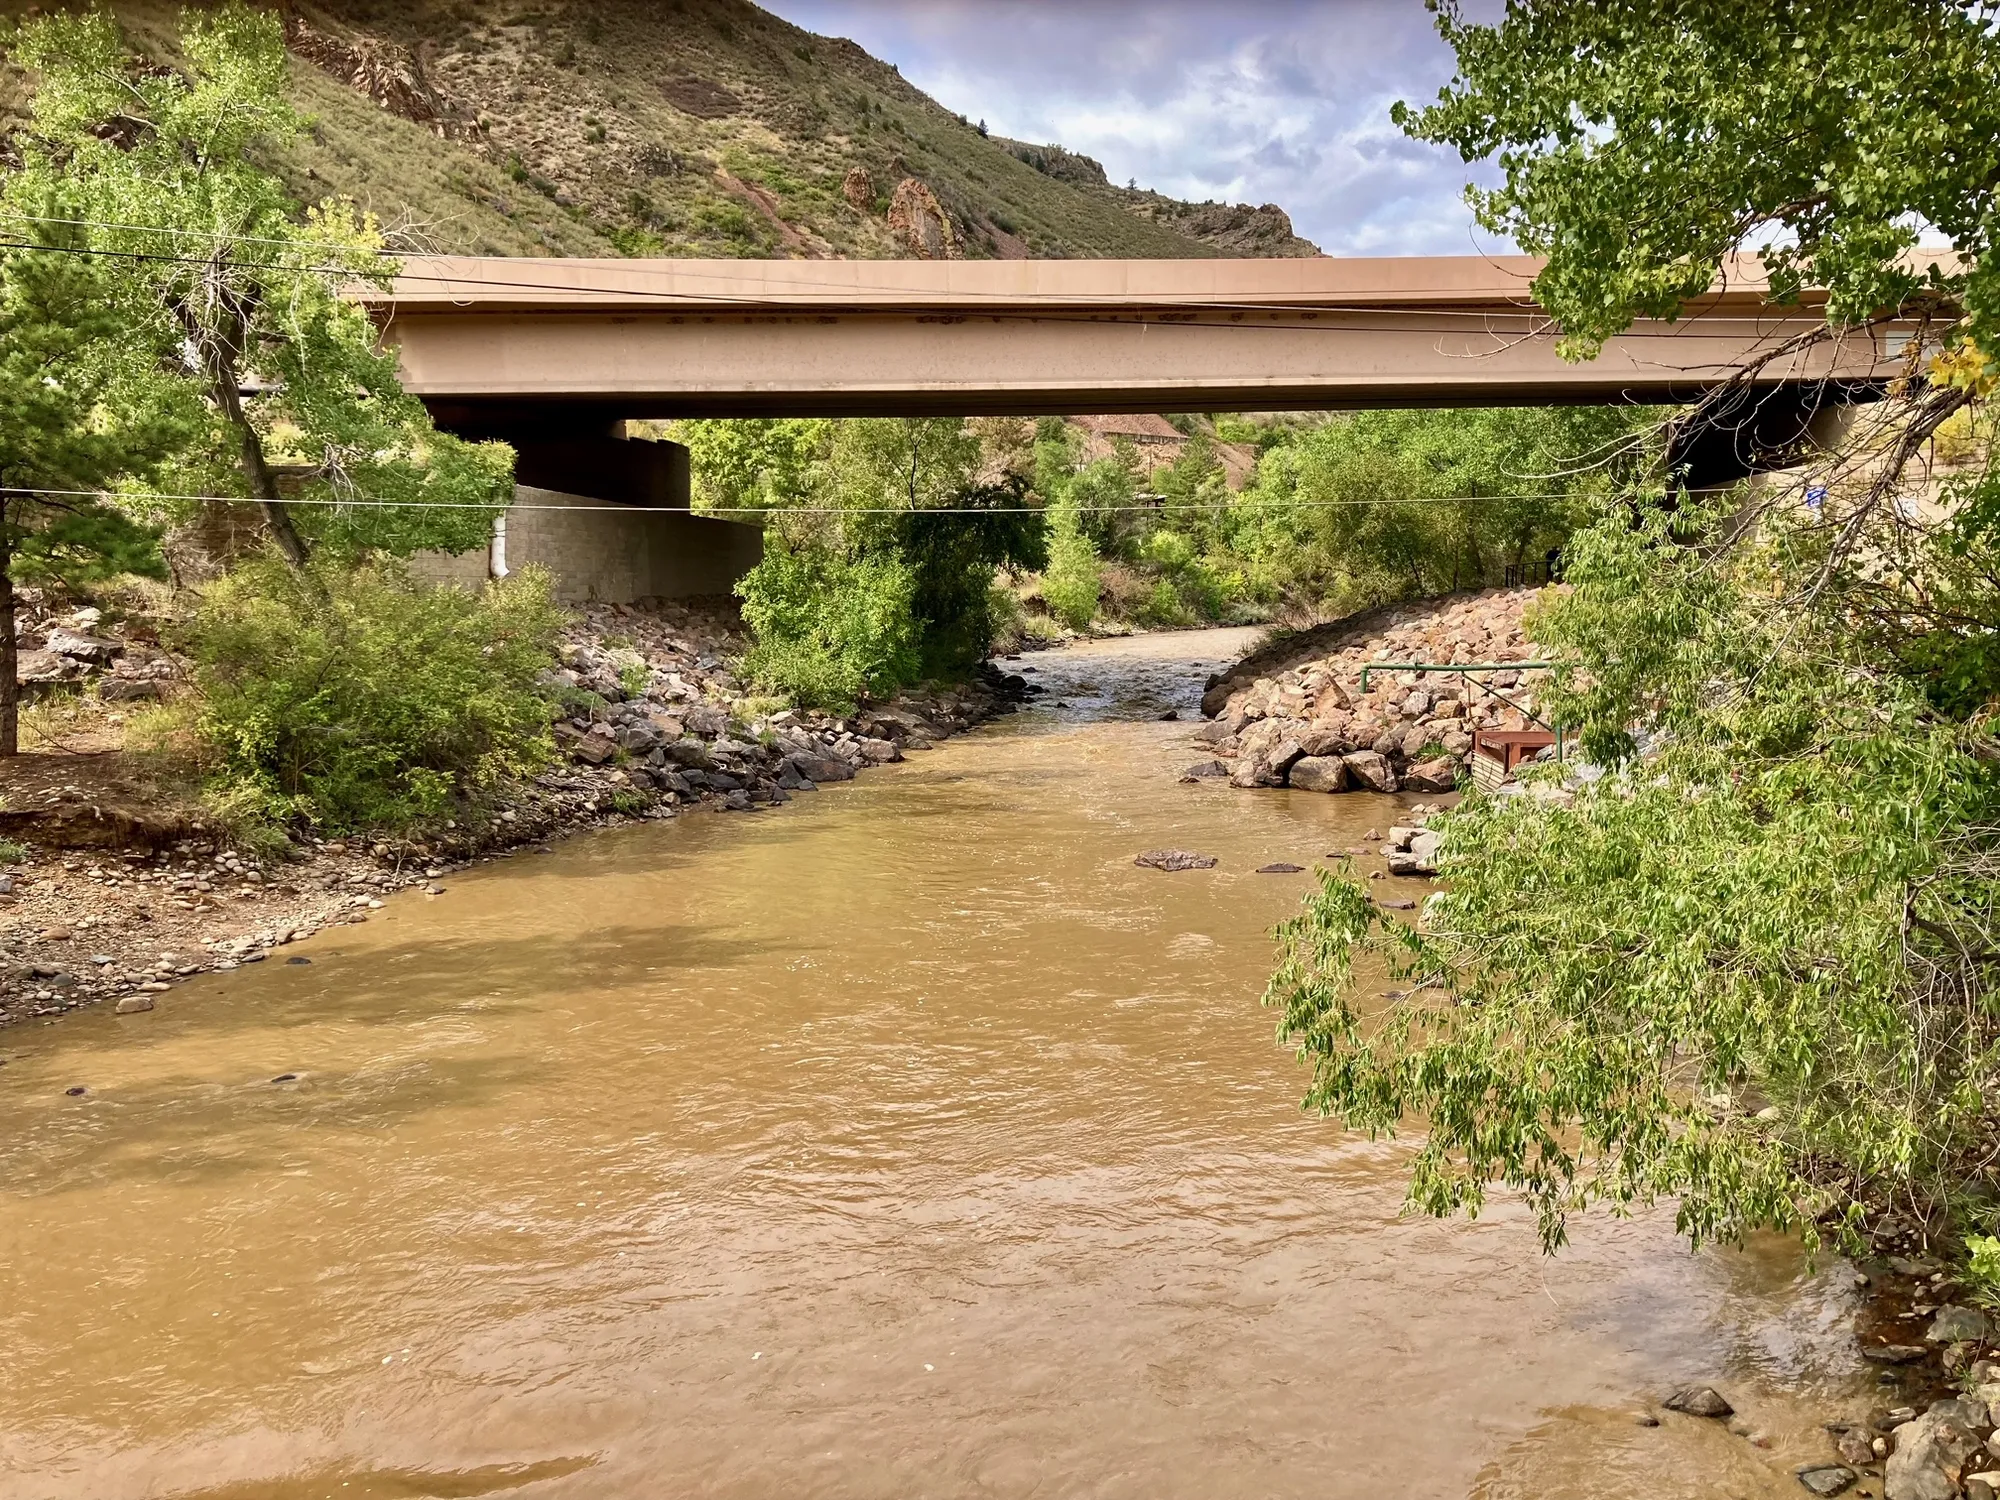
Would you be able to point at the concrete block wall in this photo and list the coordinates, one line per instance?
(604, 552)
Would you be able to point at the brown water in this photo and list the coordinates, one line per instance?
(908, 1140)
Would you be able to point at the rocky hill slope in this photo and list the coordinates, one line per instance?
(679, 127)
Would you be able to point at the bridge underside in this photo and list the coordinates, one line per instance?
(508, 370)
(576, 345)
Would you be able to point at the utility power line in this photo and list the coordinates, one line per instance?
(770, 510)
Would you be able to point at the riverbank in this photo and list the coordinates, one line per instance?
(611, 1152)
(1297, 704)
(125, 886)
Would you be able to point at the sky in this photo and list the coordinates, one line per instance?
(1248, 101)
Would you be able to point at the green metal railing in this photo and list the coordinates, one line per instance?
(1465, 670)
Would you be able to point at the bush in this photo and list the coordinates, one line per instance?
(1009, 619)
(829, 629)
(360, 698)
(1071, 583)
(1162, 607)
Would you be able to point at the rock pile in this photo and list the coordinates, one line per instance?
(73, 649)
(648, 700)
(1295, 714)
(1948, 1451)
(1922, 1449)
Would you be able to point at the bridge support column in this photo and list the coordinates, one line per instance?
(610, 517)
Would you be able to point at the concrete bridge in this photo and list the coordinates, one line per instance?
(554, 355)
(507, 344)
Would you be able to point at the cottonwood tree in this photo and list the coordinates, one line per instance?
(1753, 966)
(78, 418)
(214, 269)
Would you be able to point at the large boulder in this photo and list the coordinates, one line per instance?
(42, 668)
(1420, 858)
(1324, 740)
(1330, 695)
(1438, 775)
(1319, 773)
(1265, 752)
(130, 689)
(919, 224)
(1930, 1456)
(1954, 1324)
(1370, 771)
(690, 754)
(822, 767)
(89, 649)
(639, 737)
(706, 722)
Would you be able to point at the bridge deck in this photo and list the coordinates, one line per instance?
(499, 338)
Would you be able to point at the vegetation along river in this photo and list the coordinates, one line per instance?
(905, 1140)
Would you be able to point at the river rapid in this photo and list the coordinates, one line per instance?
(907, 1140)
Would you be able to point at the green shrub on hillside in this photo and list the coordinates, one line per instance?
(361, 698)
(829, 629)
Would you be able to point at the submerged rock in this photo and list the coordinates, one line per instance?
(1827, 1479)
(1894, 1354)
(1699, 1401)
(1175, 859)
(1205, 770)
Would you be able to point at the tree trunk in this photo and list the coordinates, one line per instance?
(263, 483)
(222, 359)
(10, 666)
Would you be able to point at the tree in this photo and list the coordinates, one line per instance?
(1074, 578)
(1642, 142)
(78, 419)
(1387, 504)
(883, 545)
(1752, 965)
(752, 464)
(213, 270)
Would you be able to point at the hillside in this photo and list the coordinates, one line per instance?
(682, 127)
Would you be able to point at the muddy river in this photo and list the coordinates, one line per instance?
(904, 1141)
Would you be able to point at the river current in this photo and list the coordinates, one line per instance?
(907, 1140)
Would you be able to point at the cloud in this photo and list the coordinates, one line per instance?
(1252, 101)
